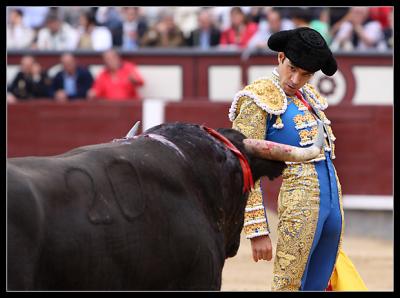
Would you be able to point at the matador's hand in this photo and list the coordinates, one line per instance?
(262, 248)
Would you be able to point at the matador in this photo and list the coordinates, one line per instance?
(284, 108)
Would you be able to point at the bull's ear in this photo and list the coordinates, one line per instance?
(265, 167)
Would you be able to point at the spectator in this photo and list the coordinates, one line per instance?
(111, 18)
(92, 37)
(301, 17)
(186, 18)
(284, 11)
(19, 36)
(118, 81)
(256, 14)
(337, 16)
(30, 82)
(384, 15)
(152, 14)
(322, 25)
(165, 33)
(134, 27)
(222, 14)
(389, 32)
(35, 16)
(72, 82)
(41, 81)
(316, 19)
(240, 31)
(57, 35)
(273, 23)
(207, 35)
(72, 14)
(381, 14)
(359, 32)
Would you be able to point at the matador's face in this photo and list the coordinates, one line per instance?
(291, 77)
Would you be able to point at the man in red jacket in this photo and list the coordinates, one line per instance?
(240, 32)
(119, 79)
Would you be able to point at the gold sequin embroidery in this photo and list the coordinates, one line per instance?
(256, 215)
(269, 94)
(303, 121)
(251, 121)
(299, 104)
(298, 209)
(308, 136)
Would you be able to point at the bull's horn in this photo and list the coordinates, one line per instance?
(133, 130)
(276, 151)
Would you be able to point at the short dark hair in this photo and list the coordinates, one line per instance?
(90, 17)
(18, 11)
(240, 10)
(52, 16)
(302, 14)
(237, 9)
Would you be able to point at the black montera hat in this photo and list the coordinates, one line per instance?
(306, 48)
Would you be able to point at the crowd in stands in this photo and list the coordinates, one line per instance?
(105, 29)
(30, 82)
(118, 80)
(129, 28)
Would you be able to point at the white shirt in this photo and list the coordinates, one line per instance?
(373, 31)
(65, 39)
(19, 37)
(101, 38)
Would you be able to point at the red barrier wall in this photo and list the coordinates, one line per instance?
(46, 128)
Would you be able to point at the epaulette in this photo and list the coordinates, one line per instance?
(320, 101)
(266, 93)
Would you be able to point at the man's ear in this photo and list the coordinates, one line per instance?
(281, 57)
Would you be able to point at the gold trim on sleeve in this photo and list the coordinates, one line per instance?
(251, 120)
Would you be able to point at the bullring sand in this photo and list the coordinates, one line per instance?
(373, 259)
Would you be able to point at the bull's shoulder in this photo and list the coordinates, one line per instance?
(265, 93)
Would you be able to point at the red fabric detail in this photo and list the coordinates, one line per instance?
(382, 15)
(248, 182)
(300, 96)
(329, 287)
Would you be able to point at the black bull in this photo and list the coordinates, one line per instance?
(129, 215)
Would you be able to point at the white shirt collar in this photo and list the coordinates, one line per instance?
(275, 72)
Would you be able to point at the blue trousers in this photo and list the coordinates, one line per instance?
(325, 245)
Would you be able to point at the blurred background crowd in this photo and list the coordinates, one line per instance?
(129, 28)
(77, 28)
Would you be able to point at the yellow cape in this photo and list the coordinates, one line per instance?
(345, 276)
